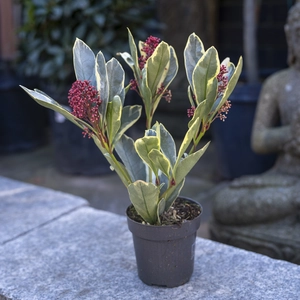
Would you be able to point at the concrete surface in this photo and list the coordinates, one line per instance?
(84, 253)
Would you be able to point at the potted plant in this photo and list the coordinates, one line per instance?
(47, 34)
(163, 223)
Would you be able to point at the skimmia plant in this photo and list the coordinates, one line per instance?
(150, 167)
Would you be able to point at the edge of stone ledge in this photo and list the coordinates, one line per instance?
(12, 187)
(25, 186)
(42, 225)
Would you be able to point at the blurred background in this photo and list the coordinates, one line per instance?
(36, 39)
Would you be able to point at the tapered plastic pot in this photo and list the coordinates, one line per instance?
(165, 254)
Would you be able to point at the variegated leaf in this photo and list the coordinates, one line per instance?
(145, 197)
(84, 62)
(193, 51)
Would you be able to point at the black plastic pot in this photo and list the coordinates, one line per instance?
(232, 138)
(165, 254)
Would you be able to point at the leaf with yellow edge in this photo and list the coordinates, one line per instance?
(193, 51)
(187, 163)
(113, 118)
(84, 62)
(160, 161)
(145, 197)
(187, 139)
(157, 67)
(46, 101)
(205, 70)
(232, 82)
(143, 147)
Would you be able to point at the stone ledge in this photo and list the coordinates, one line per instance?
(88, 254)
(24, 207)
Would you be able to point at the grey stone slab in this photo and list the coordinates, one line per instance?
(8, 186)
(24, 207)
(88, 254)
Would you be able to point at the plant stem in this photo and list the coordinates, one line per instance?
(148, 121)
(116, 164)
(120, 170)
(196, 141)
(148, 126)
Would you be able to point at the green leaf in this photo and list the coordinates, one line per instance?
(187, 139)
(130, 114)
(46, 101)
(128, 59)
(173, 193)
(134, 55)
(113, 118)
(143, 147)
(212, 92)
(206, 69)
(120, 170)
(198, 113)
(161, 207)
(232, 82)
(131, 160)
(145, 196)
(102, 83)
(151, 132)
(145, 93)
(116, 76)
(84, 62)
(190, 96)
(160, 161)
(170, 73)
(116, 165)
(141, 45)
(167, 144)
(230, 67)
(173, 68)
(99, 145)
(157, 67)
(164, 182)
(233, 76)
(186, 164)
(193, 51)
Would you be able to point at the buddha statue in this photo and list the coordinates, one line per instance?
(274, 194)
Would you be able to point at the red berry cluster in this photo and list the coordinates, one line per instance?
(222, 80)
(85, 101)
(148, 48)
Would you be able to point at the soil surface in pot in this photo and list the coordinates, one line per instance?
(181, 210)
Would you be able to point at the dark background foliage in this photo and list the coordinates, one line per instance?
(50, 28)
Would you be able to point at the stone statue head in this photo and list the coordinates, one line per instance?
(292, 31)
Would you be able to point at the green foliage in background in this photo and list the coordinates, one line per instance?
(50, 28)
